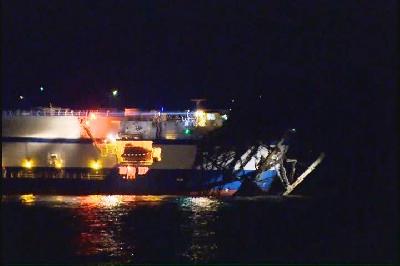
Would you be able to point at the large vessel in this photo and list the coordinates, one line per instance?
(103, 151)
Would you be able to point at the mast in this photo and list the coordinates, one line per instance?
(198, 101)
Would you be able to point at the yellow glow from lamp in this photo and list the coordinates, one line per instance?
(58, 164)
(95, 165)
(201, 118)
(27, 163)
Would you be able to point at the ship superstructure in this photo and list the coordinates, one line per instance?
(157, 149)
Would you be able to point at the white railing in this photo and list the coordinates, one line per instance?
(187, 116)
(69, 112)
(59, 112)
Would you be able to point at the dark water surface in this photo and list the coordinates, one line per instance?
(137, 229)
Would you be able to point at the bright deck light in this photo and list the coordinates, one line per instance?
(111, 138)
(58, 164)
(95, 165)
(27, 163)
(201, 118)
(115, 93)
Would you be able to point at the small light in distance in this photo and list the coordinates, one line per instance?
(115, 93)
(21, 97)
(41, 88)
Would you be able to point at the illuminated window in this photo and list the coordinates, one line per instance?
(210, 116)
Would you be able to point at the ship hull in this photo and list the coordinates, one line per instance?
(38, 138)
(155, 181)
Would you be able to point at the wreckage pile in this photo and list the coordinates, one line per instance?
(231, 160)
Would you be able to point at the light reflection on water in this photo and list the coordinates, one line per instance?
(101, 223)
(27, 199)
(116, 229)
(203, 244)
(100, 226)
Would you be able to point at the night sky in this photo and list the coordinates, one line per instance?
(163, 53)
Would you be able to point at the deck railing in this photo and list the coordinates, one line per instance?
(69, 112)
(59, 112)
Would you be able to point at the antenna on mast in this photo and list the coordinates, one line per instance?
(198, 101)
